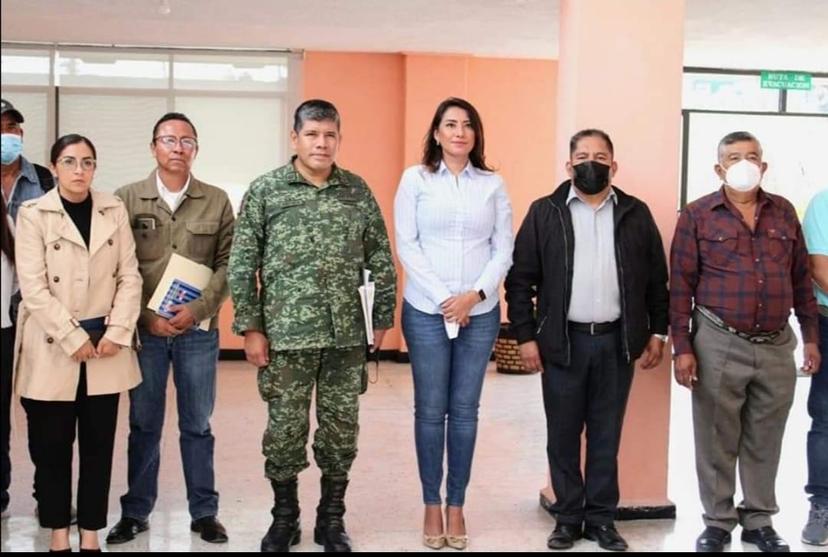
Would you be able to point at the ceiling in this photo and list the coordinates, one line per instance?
(789, 34)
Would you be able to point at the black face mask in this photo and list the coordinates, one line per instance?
(591, 177)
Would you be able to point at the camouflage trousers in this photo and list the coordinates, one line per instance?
(287, 387)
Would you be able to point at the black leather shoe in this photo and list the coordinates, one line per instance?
(210, 528)
(712, 540)
(564, 536)
(126, 530)
(766, 539)
(607, 537)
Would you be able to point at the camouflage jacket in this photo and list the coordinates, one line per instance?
(309, 246)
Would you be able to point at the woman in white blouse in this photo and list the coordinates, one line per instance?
(453, 225)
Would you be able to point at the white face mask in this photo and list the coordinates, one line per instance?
(743, 176)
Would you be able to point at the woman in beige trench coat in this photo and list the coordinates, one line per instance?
(74, 354)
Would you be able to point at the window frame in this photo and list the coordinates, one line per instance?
(290, 97)
(782, 111)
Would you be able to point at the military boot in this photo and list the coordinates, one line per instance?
(284, 531)
(330, 524)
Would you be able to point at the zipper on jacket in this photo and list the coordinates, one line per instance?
(545, 317)
(566, 283)
(621, 288)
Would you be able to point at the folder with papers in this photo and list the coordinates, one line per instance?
(182, 282)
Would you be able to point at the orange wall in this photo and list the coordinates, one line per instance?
(387, 102)
(517, 103)
(429, 79)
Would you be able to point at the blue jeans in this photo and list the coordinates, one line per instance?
(818, 436)
(448, 380)
(194, 356)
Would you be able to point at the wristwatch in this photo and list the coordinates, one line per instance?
(482, 295)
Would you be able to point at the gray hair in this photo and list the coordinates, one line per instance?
(735, 137)
(316, 110)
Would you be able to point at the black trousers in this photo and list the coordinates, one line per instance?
(590, 393)
(6, 362)
(52, 426)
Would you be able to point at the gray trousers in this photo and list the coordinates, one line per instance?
(740, 406)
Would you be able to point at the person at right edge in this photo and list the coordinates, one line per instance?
(308, 230)
(738, 266)
(593, 257)
(815, 227)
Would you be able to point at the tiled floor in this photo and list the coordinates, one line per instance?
(384, 509)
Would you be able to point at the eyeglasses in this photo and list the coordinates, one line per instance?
(170, 141)
(71, 163)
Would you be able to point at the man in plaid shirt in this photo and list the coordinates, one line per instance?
(739, 264)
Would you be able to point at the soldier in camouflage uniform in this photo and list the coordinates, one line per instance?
(308, 229)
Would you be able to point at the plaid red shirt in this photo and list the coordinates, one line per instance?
(750, 280)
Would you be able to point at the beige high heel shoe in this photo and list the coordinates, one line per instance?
(457, 542)
(434, 542)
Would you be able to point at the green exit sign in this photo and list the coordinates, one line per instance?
(786, 80)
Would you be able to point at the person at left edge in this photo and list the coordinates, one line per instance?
(22, 180)
(173, 212)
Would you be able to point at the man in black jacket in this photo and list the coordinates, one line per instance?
(587, 297)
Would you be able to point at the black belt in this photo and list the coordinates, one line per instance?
(593, 329)
(755, 338)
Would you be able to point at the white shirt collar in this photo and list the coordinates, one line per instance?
(573, 194)
(468, 170)
(168, 195)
